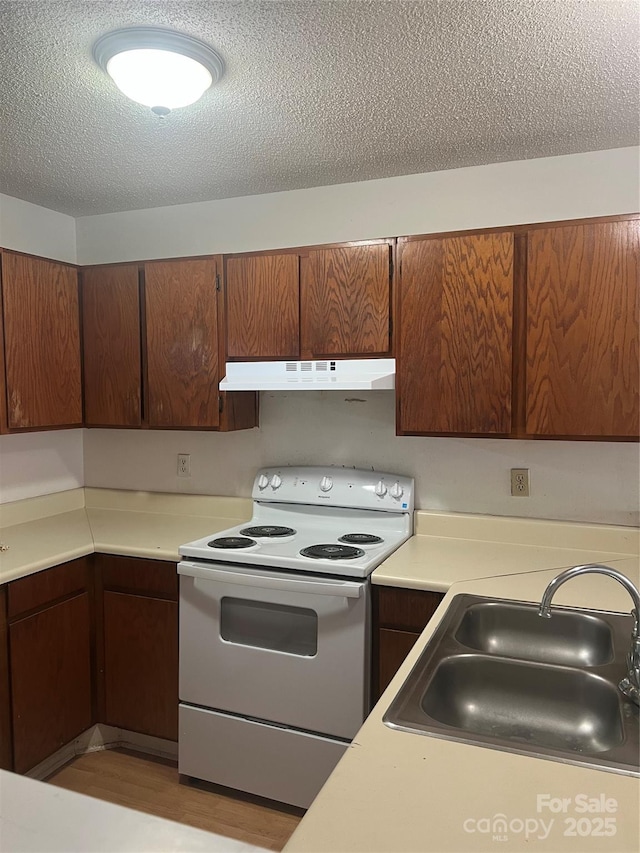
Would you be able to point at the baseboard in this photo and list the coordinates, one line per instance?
(101, 737)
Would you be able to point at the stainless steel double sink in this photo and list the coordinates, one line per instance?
(495, 674)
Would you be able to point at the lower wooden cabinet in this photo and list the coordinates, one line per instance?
(394, 647)
(6, 751)
(399, 616)
(49, 660)
(90, 641)
(138, 645)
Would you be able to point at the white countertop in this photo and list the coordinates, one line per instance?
(40, 818)
(449, 548)
(43, 532)
(397, 792)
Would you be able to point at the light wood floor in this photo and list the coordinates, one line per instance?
(151, 785)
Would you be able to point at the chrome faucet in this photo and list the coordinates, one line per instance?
(630, 684)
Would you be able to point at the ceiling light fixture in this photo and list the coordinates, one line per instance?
(159, 68)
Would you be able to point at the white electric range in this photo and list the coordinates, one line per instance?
(275, 629)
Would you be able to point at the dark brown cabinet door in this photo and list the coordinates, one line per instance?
(137, 644)
(6, 751)
(3, 384)
(50, 679)
(399, 615)
(182, 343)
(42, 342)
(455, 334)
(583, 309)
(111, 346)
(263, 306)
(141, 664)
(345, 301)
(394, 647)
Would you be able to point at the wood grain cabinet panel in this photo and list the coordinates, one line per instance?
(6, 737)
(50, 679)
(3, 383)
(582, 345)
(182, 343)
(141, 664)
(40, 589)
(138, 576)
(42, 342)
(399, 616)
(263, 305)
(455, 334)
(406, 609)
(111, 346)
(345, 301)
(394, 647)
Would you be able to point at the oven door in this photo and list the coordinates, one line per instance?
(290, 649)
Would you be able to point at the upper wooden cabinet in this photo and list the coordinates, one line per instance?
(345, 301)
(454, 347)
(112, 346)
(582, 342)
(182, 343)
(3, 381)
(151, 348)
(263, 306)
(309, 303)
(42, 342)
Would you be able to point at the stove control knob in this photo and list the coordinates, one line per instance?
(276, 481)
(263, 482)
(396, 491)
(381, 489)
(326, 484)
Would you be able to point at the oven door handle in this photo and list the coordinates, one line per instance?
(345, 589)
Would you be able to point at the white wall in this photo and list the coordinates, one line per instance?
(39, 463)
(44, 462)
(597, 183)
(36, 230)
(582, 481)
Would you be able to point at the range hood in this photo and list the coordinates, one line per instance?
(347, 375)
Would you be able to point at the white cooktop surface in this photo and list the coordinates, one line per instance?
(321, 526)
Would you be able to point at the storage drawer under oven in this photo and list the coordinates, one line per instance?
(271, 761)
(275, 646)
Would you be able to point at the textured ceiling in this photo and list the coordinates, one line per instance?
(313, 93)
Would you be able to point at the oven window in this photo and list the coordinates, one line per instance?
(277, 627)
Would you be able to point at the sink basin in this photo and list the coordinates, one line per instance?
(546, 706)
(495, 674)
(516, 631)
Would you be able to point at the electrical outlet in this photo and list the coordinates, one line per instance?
(520, 482)
(184, 464)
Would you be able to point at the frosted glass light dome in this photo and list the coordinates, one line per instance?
(158, 68)
(159, 78)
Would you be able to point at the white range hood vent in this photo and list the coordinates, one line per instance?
(347, 375)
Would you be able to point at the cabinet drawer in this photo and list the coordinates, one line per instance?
(137, 576)
(406, 609)
(43, 588)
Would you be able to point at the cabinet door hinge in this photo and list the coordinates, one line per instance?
(220, 403)
(217, 281)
